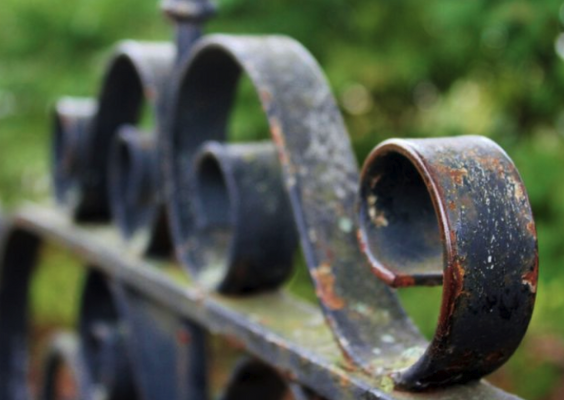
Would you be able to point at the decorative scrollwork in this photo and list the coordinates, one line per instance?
(436, 211)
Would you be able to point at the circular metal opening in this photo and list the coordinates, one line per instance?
(399, 225)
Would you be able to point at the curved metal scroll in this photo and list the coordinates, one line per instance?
(244, 239)
(320, 174)
(321, 177)
(457, 202)
(137, 72)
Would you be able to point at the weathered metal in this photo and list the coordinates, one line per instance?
(287, 333)
(453, 210)
(244, 238)
(320, 174)
(456, 204)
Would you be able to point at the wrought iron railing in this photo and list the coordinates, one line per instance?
(450, 211)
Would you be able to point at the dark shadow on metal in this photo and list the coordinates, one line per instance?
(453, 207)
(244, 239)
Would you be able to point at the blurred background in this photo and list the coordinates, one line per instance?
(402, 68)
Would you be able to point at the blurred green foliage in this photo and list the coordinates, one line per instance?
(402, 68)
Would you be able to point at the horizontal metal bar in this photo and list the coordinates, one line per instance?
(278, 328)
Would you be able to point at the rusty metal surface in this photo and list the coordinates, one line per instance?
(284, 332)
(320, 174)
(456, 203)
(236, 213)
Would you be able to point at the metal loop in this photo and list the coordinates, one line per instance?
(134, 192)
(453, 210)
(137, 73)
(320, 175)
(244, 239)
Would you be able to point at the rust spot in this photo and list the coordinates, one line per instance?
(453, 289)
(452, 205)
(458, 175)
(403, 281)
(374, 181)
(278, 139)
(183, 337)
(325, 287)
(531, 228)
(361, 241)
(530, 280)
(495, 357)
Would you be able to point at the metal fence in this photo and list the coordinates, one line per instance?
(451, 212)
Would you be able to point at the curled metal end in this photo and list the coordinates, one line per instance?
(132, 177)
(243, 239)
(72, 121)
(453, 211)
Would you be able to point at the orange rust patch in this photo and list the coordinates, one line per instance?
(458, 175)
(403, 281)
(495, 357)
(530, 280)
(531, 228)
(325, 287)
(452, 205)
(278, 139)
(453, 289)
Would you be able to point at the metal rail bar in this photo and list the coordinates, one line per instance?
(277, 328)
